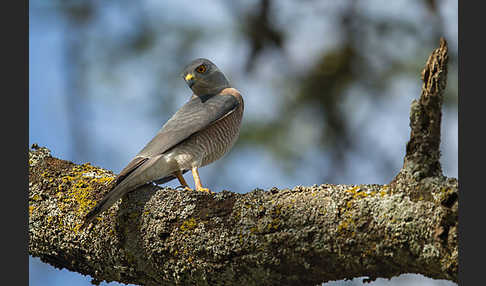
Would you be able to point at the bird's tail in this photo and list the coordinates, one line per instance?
(144, 173)
(108, 200)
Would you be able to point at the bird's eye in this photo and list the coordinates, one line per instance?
(201, 69)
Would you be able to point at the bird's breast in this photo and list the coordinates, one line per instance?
(211, 143)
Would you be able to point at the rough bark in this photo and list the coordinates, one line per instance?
(300, 236)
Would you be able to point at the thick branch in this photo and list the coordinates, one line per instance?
(306, 235)
(302, 236)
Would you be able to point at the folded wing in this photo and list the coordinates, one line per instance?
(197, 114)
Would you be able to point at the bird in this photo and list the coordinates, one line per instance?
(203, 130)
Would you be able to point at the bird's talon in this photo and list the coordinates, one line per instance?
(188, 189)
(205, 190)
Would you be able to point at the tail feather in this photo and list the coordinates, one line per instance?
(108, 200)
(144, 173)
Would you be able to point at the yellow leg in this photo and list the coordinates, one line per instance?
(183, 182)
(181, 179)
(197, 181)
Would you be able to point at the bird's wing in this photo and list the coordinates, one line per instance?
(132, 166)
(194, 116)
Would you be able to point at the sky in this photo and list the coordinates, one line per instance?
(118, 116)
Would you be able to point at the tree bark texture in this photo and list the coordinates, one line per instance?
(301, 236)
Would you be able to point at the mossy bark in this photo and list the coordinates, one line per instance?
(300, 236)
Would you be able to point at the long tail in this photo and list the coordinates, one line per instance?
(108, 200)
(138, 177)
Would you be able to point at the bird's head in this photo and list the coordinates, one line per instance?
(204, 77)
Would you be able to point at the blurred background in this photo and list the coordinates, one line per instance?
(327, 88)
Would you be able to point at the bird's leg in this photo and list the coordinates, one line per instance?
(181, 179)
(197, 181)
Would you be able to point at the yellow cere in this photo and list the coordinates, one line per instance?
(189, 76)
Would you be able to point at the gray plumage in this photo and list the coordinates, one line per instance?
(199, 133)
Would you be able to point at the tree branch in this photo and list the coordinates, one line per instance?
(304, 235)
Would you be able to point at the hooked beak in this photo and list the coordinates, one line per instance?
(189, 78)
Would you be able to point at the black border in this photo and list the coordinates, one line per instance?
(471, 131)
(15, 134)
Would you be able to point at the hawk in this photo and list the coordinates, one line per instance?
(199, 133)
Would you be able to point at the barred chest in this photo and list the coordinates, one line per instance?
(213, 142)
